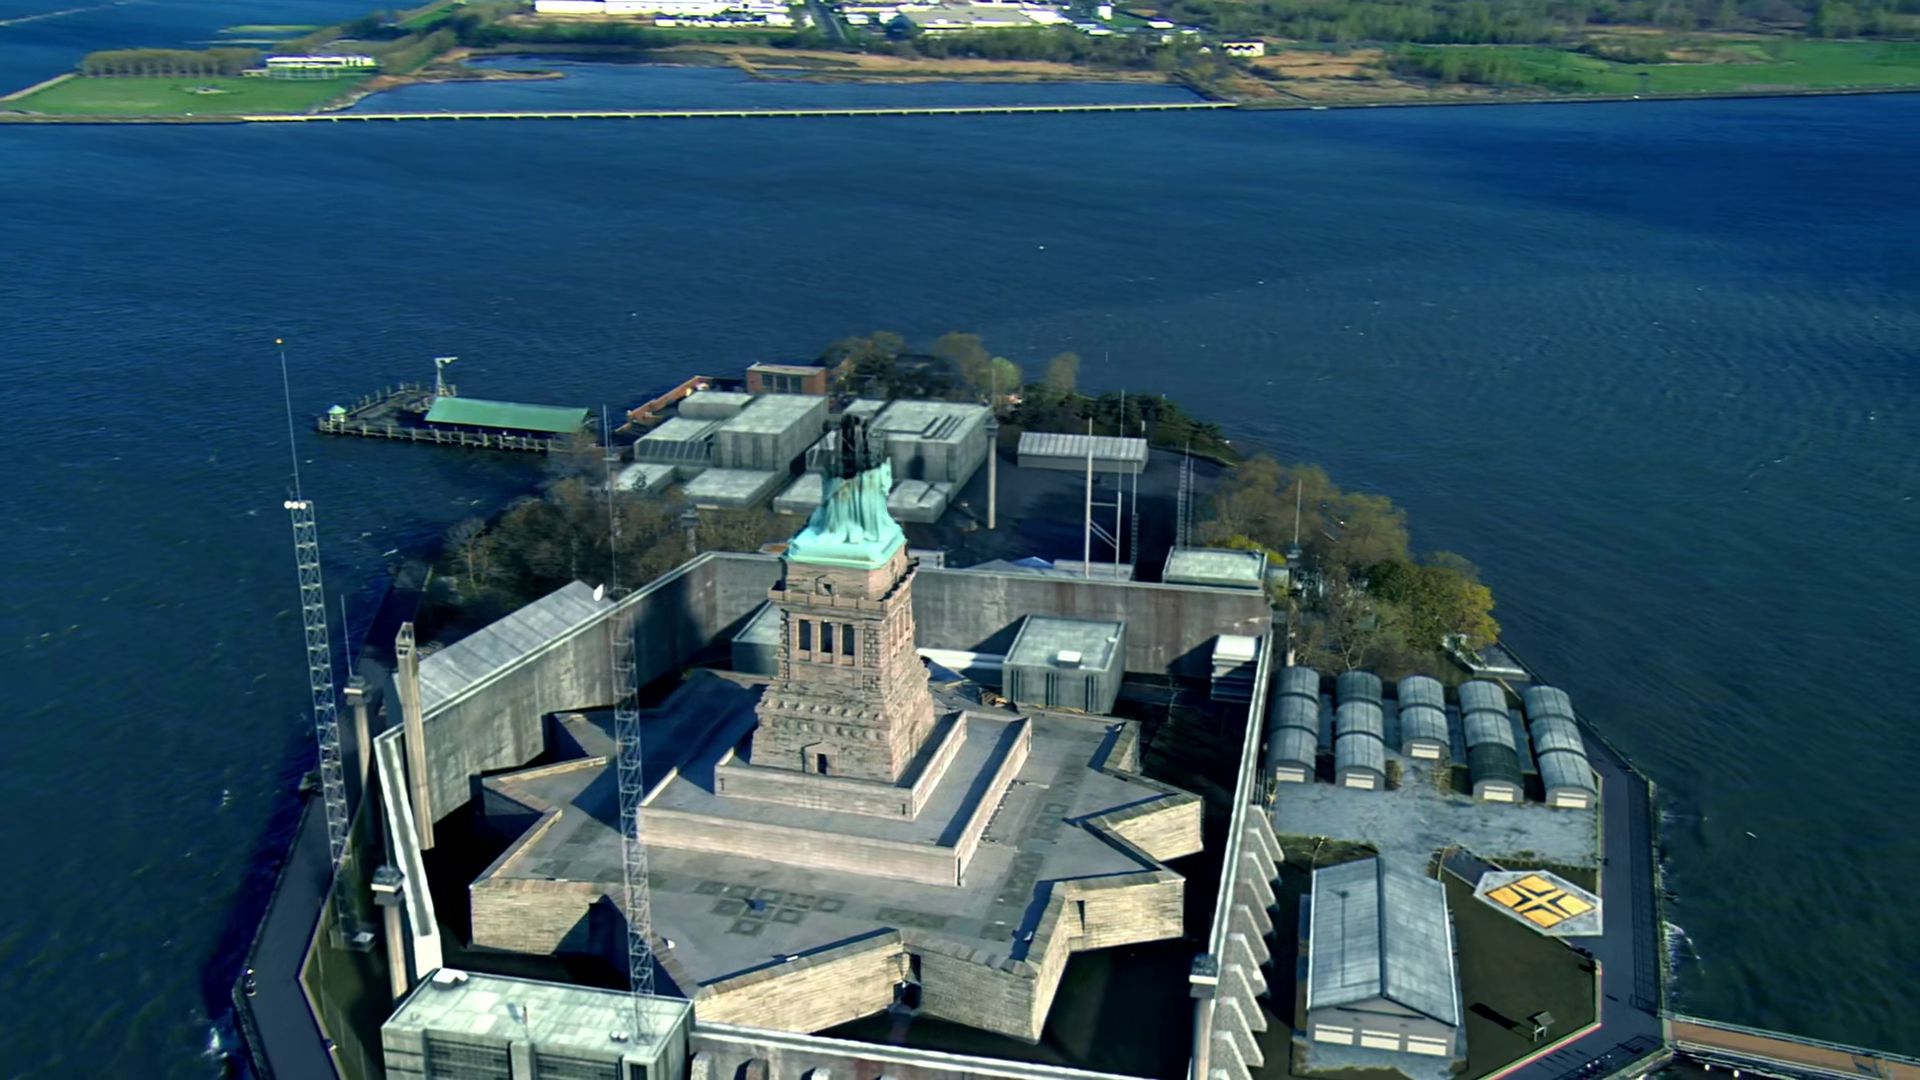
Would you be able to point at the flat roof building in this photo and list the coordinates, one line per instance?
(683, 442)
(770, 433)
(917, 501)
(803, 496)
(714, 404)
(732, 489)
(1066, 663)
(458, 1025)
(1220, 568)
(1380, 964)
(1055, 450)
(937, 441)
(511, 416)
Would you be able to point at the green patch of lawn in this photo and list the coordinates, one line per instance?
(1781, 66)
(210, 96)
(1508, 973)
(257, 29)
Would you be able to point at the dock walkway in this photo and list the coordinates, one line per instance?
(736, 114)
(1772, 1053)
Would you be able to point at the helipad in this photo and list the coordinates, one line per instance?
(1543, 900)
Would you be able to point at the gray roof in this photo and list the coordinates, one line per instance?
(774, 414)
(1292, 746)
(714, 404)
(1298, 712)
(1493, 761)
(1554, 734)
(1360, 750)
(1480, 694)
(1422, 690)
(929, 421)
(1424, 722)
(1486, 728)
(1381, 932)
(1300, 680)
(1108, 448)
(1360, 718)
(1219, 567)
(1357, 686)
(552, 1016)
(1547, 701)
(679, 429)
(1042, 638)
(733, 488)
(1562, 770)
(763, 628)
(452, 670)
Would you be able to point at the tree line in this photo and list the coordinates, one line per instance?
(1368, 600)
(1512, 22)
(165, 63)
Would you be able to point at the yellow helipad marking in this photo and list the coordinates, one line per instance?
(1539, 901)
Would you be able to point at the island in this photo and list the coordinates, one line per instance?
(1246, 53)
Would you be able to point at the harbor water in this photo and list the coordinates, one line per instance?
(1652, 366)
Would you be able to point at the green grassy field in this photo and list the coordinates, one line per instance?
(281, 29)
(1778, 66)
(83, 96)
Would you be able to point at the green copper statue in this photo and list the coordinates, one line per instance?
(851, 527)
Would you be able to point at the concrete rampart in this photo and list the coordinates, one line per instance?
(1163, 829)
(496, 722)
(812, 992)
(791, 846)
(1169, 627)
(1009, 767)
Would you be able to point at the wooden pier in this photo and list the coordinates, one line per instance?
(736, 114)
(396, 412)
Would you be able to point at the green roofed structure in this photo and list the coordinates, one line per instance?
(506, 416)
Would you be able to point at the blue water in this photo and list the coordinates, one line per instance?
(588, 85)
(1652, 366)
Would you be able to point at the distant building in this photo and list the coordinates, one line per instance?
(1054, 450)
(1244, 48)
(512, 417)
(1380, 967)
(959, 18)
(320, 67)
(813, 379)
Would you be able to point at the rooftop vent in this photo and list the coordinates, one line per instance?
(1067, 658)
(448, 978)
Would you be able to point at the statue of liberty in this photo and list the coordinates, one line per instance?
(852, 527)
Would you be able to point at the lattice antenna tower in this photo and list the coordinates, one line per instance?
(313, 615)
(637, 895)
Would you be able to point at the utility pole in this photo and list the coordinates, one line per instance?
(1086, 533)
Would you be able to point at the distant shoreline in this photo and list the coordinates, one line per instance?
(815, 69)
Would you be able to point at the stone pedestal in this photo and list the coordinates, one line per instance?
(849, 697)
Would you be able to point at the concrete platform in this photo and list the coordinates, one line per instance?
(1415, 820)
(1070, 811)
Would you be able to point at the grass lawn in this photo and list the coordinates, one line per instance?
(282, 29)
(1508, 973)
(83, 96)
(1782, 65)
